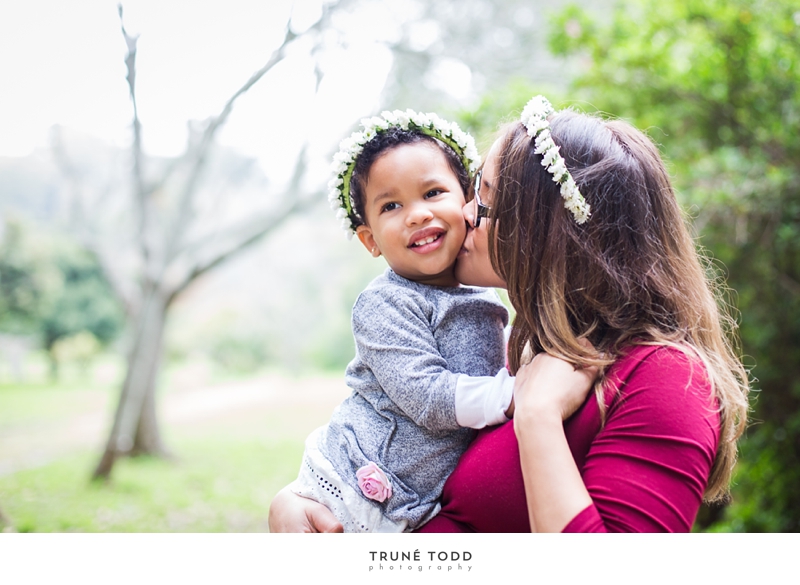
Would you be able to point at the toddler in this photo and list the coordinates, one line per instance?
(429, 363)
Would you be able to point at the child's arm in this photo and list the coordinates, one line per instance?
(484, 400)
(394, 338)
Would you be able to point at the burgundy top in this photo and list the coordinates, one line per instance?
(646, 469)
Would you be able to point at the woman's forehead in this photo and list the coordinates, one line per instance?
(488, 175)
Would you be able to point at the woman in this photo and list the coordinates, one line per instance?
(586, 235)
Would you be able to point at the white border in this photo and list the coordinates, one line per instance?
(470, 558)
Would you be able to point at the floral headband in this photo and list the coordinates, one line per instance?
(350, 148)
(534, 118)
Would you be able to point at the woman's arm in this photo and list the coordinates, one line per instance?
(289, 512)
(547, 392)
(647, 467)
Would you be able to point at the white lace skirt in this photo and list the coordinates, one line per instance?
(319, 481)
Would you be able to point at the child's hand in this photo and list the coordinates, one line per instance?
(289, 512)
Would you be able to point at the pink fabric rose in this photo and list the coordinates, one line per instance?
(373, 482)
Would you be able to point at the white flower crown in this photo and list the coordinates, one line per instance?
(350, 148)
(534, 118)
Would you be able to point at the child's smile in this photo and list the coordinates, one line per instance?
(426, 240)
(413, 212)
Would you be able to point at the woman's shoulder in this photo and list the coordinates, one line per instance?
(665, 386)
(672, 364)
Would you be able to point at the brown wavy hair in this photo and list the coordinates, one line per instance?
(631, 275)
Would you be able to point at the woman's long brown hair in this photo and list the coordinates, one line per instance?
(630, 275)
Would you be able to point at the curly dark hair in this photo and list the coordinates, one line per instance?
(383, 142)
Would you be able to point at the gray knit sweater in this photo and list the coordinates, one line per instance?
(412, 342)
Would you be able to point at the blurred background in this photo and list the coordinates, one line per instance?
(175, 292)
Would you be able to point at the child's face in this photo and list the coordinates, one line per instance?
(413, 207)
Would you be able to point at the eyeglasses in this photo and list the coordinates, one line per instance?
(481, 210)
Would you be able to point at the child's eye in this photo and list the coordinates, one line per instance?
(433, 193)
(390, 207)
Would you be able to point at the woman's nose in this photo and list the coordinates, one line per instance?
(469, 213)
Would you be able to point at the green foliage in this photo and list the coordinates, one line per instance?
(717, 83)
(86, 302)
(500, 107)
(52, 290)
(28, 282)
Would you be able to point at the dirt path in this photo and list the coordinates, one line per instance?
(300, 403)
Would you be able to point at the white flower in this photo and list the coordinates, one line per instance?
(443, 125)
(402, 119)
(534, 118)
(422, 120)
(544, 142)
(379, 122)
(351, 148)
(558, 169)
(550, 156)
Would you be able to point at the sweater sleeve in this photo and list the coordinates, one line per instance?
(647, 469)
(483, 400)
(394, 339)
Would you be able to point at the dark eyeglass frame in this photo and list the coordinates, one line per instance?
(481, 210)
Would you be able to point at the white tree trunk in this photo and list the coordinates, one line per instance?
(135, 430)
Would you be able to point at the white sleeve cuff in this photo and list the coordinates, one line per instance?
(483, 400)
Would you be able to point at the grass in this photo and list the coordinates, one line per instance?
(39, 400)
(227, 466)
(217, 485)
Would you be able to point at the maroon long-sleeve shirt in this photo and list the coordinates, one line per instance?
(646, 469)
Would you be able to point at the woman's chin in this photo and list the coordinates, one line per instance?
(471, 273)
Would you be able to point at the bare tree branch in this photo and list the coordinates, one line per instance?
(253, 229)
(108, 264)
(75, 213)
(141, 194)
(184, 212)
(266, 225)
(184, 207)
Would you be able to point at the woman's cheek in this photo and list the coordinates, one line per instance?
(473, 266)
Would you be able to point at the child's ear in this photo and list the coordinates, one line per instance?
(365, 235)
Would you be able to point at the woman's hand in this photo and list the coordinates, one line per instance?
(289, 512)
(547, 391)
(551, 385)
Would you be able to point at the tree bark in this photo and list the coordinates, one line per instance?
(147, 440)
(135, 430)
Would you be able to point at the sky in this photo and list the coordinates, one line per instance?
(63, 63)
